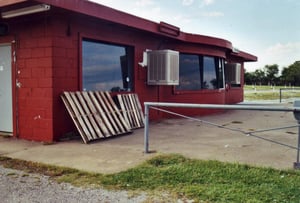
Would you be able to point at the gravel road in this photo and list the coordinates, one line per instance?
(19, 186)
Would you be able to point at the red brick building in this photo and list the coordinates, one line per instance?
(50, 46)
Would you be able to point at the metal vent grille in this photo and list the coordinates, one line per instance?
(233, 73)
(163, 67)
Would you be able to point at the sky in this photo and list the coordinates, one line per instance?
(268, 29)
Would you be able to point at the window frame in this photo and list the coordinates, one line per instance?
(219, 63)
(130, 63)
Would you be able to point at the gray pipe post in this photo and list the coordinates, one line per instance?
(280, 90)
(146, 129)
(297, 116)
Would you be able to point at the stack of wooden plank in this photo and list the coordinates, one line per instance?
(95, 115)
(131, 109)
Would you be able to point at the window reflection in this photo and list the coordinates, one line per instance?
(198, 72)
(189, 72)
(106, 67)
(209, 73)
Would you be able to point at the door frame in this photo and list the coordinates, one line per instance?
(10, 41)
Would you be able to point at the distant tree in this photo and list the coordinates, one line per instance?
(271, 73)
(259, 76)
(291, 74)
(249, 78)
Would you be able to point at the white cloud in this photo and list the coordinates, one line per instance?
(280, 48)
(187, 2)
(282, 54)
(144, 3)
(212, 14)
(207, 2)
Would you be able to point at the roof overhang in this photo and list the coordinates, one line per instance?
(105, 13)
(245, 56)
(10, 2)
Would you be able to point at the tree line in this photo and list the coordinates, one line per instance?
(269, 75)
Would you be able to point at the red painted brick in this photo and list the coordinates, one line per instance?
(44, 42)
(72, 53)
(39, 31)
(62, 62)
(43, 134)
(24, 53)
(38, 72)
(28, 82)
(48, 72)
(60, 52)
(42, 92)
(63, 42)
(45, 82)
(38, 52)
(21, 63)
(60, 72)
(32, 62)
(72, 73)
(45, 123)
(28, 43)
(49, 113)
(66, 83)
(45, 62)
(39, 103)
(25, 73)
(24, 92)
(25, 132)
(48, 52)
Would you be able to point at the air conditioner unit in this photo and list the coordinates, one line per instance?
(163, 67)
(233, 73)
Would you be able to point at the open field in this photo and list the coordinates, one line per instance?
(266, 87)
(270, 93)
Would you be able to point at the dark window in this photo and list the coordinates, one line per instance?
(106, 67)
(209, 73)
(198, 72)
(220, 72)
(189, 72)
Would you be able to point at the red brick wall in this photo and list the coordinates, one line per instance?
(49, 62)
(65, 73)
(34, 74)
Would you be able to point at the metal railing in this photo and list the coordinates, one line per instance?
(285, 89)
(295, 110)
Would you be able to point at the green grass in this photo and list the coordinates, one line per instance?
(203, 181)
(270, 95)
(264, 87)
(261, 93)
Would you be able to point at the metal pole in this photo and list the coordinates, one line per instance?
(295, 110)
(297, 163)
(146, 129)
(297, 116)
(280, 95)
(225, 107)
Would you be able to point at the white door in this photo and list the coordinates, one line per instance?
(6, 111)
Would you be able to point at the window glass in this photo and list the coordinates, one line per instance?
(189, 72)
(198, 72)
(209, 73)
(106, 67)
(220, 73)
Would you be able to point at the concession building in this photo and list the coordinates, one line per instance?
(51, 46)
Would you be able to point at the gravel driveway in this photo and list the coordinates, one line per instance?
(18, 186)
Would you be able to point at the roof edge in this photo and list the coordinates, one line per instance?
(100, 11)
